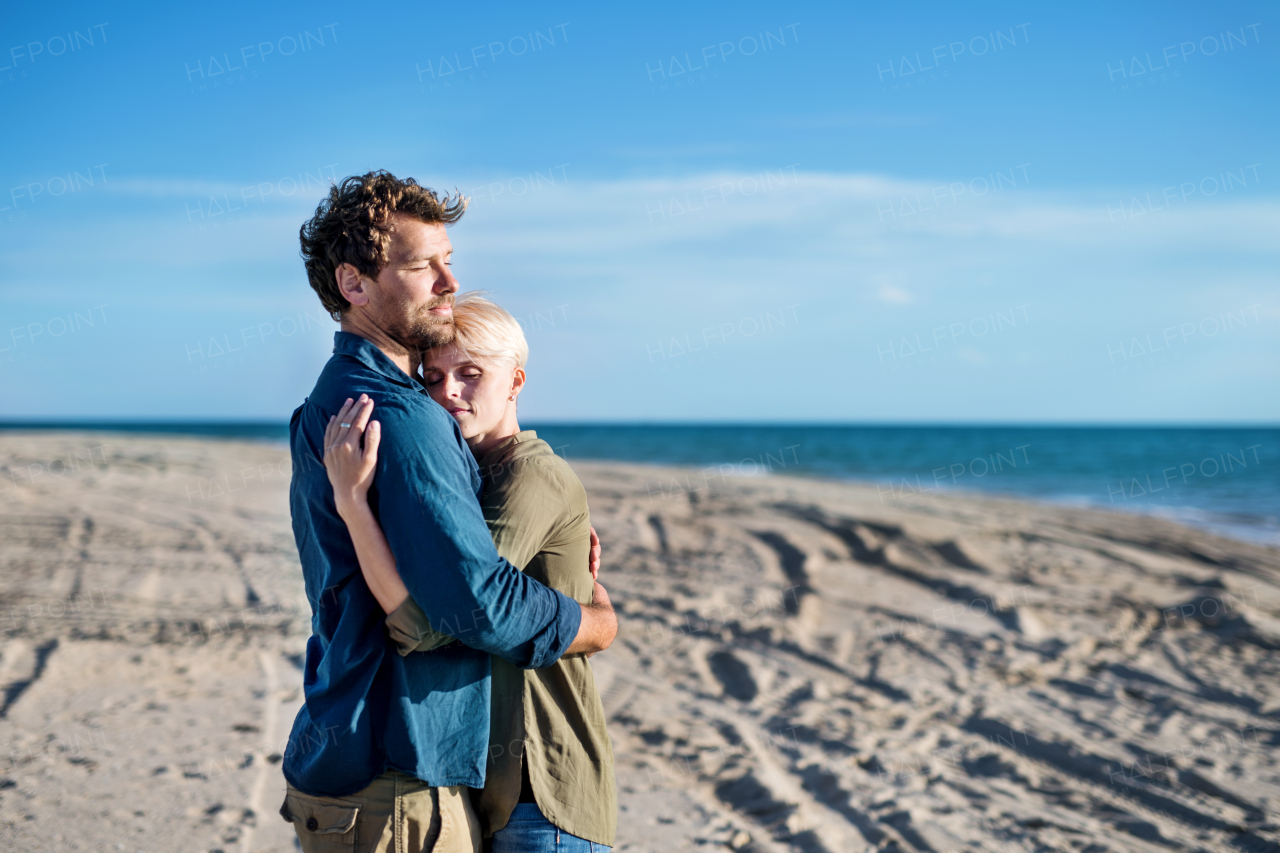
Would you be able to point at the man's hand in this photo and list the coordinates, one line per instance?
(593, 562)
(599, 625)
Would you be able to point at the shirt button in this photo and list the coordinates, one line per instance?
(312, 824)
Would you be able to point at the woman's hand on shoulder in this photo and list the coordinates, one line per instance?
(350, 462)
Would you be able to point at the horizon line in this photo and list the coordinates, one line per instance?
(171, 422)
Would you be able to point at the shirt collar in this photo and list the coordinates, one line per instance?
(498, 451)
(368, 354)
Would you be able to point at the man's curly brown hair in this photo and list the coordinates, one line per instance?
(353, 226)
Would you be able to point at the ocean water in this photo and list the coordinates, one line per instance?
(1226, 479)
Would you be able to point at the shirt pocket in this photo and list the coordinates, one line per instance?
(323, 824)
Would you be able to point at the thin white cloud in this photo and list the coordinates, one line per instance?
(305, 185)
(895, 295)
(859, 212)
(824, 122)
(168, 187)
(628, 263)
(865, 225)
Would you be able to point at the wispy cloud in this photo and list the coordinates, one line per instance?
(895, 295)
(302, 185)
(159, 187)
(863, 211)
(839, 120)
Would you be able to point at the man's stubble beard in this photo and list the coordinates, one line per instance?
(426, 330)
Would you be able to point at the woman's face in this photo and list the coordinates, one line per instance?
(477, 394)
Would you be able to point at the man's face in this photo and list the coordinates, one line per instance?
(412, 298)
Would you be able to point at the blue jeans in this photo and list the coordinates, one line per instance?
(529, 832)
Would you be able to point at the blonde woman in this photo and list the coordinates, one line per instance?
(549, 782)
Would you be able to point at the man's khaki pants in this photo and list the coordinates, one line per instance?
(396, 813)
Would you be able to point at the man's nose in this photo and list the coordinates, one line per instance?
(446, 283)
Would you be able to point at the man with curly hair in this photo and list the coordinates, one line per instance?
(384, 747)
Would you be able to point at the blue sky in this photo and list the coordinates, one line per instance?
(788, 212)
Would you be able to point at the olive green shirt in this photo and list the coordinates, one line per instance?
(536, 509)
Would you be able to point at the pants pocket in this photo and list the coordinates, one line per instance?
(323, 824)
(459, 825)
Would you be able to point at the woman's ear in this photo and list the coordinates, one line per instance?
(517, 382)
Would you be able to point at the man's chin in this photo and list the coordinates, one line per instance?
(429, 335)
(437, 336)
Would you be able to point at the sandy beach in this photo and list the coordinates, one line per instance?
(801, 666)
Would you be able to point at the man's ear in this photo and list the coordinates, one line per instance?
(351, 284)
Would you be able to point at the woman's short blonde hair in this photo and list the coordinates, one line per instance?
(487, 332)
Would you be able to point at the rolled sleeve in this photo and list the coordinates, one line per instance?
(411, 631)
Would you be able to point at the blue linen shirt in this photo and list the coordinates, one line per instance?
(367, 708)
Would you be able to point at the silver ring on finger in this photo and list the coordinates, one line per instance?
(345, 426)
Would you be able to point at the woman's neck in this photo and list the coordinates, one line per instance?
(483, 443)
